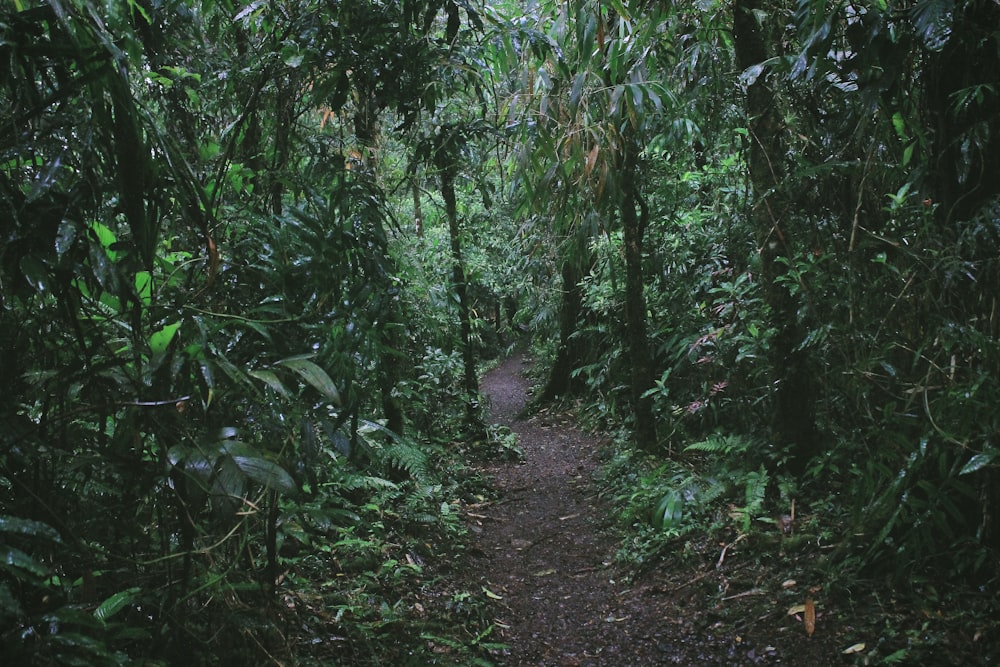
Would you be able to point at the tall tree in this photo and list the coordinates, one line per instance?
(793, 391)
(447, 151)
(635, 220)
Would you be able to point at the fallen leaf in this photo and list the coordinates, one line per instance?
(797, 609)
(544, 573)
(810, 617)
(788, 583)
(491, 595)
(857, 648)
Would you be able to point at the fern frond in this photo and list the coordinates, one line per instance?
(720, 444)
(715, 489)
(407, 457)
(756, 488)
(366, 483)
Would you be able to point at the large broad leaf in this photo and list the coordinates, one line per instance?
(258, 468)
(14, 524)
(315, 376)
(265, 472)
(270, 378)
(20, 564)
(116, 603)
(160, 340)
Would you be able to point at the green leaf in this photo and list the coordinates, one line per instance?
(65, 237)
(292, 57)
(270, 378)
(669, 511)
(14, 524)
(751, 74)
(637, 90)
(899, 124)
(491, 595)
(35, 273)
(315, 376)
(144, 287)
(116, 603)
(265, 472)
(160, 340)
(19, 563)
(106, 237)
(261, 470)
(977, 462)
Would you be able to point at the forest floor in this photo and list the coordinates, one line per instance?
(544, 550)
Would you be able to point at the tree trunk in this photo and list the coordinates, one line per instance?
(418, 214)
(633, 229)
(391, 360)
(793, 398)
(447, 167)
(569, 354)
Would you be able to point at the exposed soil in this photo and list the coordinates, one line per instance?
(544, 546)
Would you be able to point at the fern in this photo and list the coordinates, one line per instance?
(408, 457)
(366, 483)
(394, 452)
(721, 444)
(756, 488)
(715, 489)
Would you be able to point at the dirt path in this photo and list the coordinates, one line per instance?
(543, 550)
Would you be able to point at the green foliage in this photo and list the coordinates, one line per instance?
(666, 504)
(882, 268)
(202, 330)
(234, 376)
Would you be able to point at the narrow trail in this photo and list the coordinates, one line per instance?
(542, 549)
(543, 546)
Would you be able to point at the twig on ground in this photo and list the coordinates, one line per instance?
(752, 591)
(535, 543)
(722, 556)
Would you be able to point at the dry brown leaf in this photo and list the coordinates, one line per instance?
(810, 616)
(591, 160)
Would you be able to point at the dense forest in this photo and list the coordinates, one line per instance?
(256, 256)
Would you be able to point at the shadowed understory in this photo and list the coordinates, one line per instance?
(543, 549)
